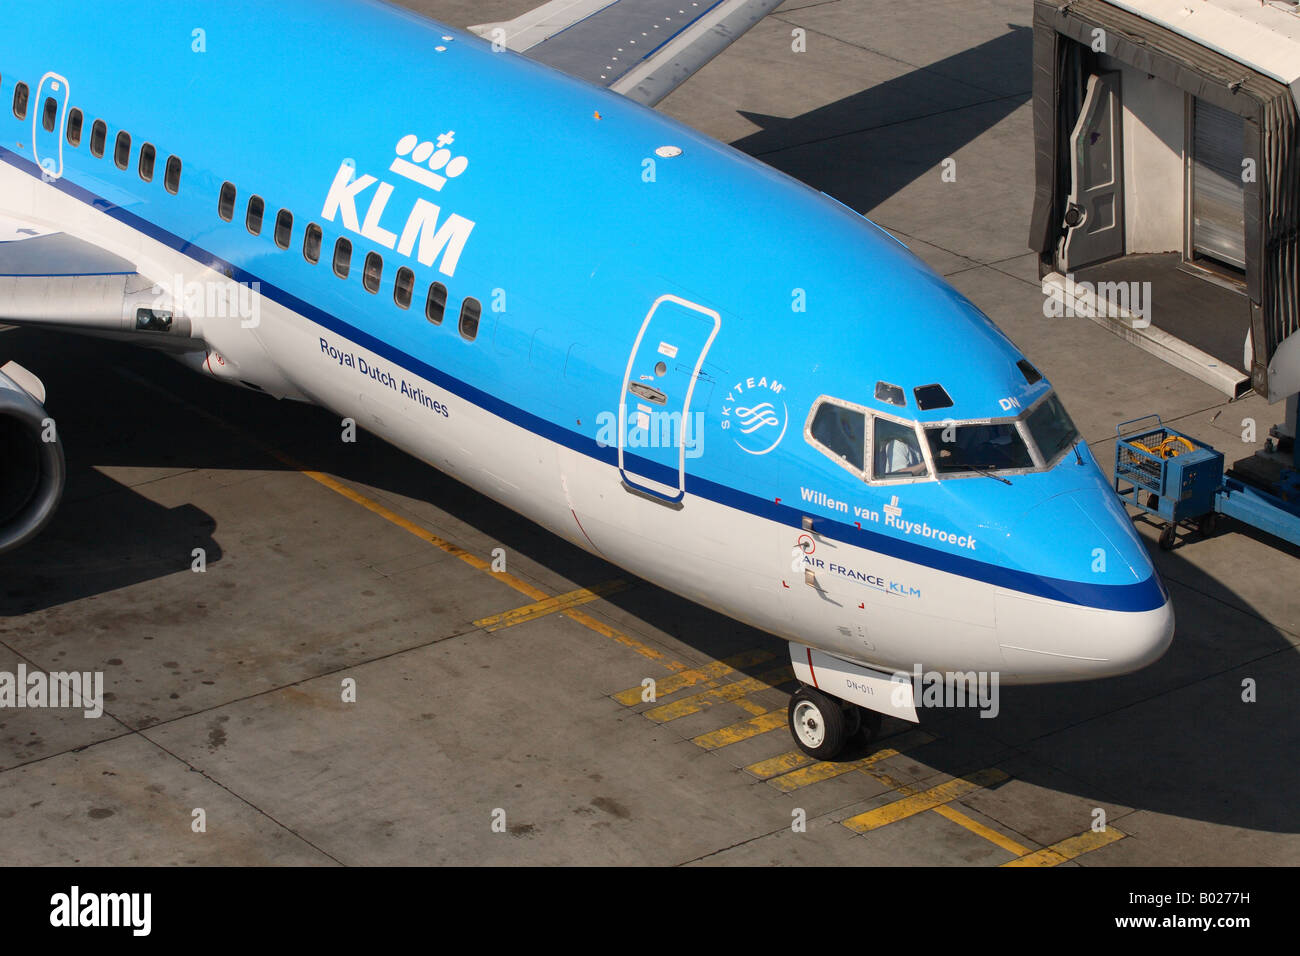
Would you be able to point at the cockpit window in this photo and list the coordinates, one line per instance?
(932, 396)
(842, 432)
(893, 394)
(994, 446)
(1051, 428)
(897, 451)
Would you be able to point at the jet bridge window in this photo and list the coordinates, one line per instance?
(284, 229)
(172, 177)
(76, 121)
(122, 150)
(50, 114)
(311, 243)
(989, 446)
(897, 451)
(840, 432)
(470, 310)
(98, 137)
(373, 273)
(404, 288)
(342, 257)
(148, 158)
(436, 303)
(256, 210)
(20, 100)
(226, 203)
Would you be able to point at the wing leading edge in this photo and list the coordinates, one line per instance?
(643, 49)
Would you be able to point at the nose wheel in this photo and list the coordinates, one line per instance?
(821, 725)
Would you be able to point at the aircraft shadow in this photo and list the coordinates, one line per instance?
(846, 148)
(1176, 738)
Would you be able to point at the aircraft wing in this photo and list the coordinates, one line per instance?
(643, 49)
(54, 280)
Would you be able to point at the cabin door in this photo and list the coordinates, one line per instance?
(657, 429)
(1094, 214)
(49, 114)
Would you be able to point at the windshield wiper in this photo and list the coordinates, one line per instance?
(989, 474)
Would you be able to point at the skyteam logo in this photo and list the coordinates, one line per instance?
(755, 414)
(429, 164)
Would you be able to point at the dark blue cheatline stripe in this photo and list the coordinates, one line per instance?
(1145, 596)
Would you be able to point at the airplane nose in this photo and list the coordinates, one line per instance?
(1042, 642)
(1104, 610)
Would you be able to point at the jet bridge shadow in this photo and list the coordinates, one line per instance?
(866, 147)
(1176, 738)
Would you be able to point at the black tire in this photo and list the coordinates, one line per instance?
(1209, 525)
(1167, 537)
(817, 723)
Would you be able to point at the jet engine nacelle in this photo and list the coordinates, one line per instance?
(32, 468)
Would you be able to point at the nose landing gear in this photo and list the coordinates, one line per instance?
(823, 725)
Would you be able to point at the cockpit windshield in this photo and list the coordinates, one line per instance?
(1051, 428)
(994, 446)
(881, 447)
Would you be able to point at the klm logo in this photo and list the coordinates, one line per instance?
(428, 236)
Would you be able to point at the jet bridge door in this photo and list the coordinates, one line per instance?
(657, 430)
(1094, 214)
(48, 111)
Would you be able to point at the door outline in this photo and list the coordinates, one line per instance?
(628, 481)
(60, 91)
(1081, 244)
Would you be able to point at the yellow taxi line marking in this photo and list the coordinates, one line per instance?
(741, 731)
(783, 763)
(727, 692)
(523, 587)
(696, 675)
(924, 800)
(815, 771)
(531, 612)
(979, 829)
(474, 561)
(1069, 848)
(614, 634)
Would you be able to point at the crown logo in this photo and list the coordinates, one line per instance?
(431, 163)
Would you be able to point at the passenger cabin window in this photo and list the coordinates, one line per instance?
(76, 120)
(148, 157)
(172, 177)
(841, 432)
(403, 288)
(311, 243)
(256, 210)
(990, 446)
(122, 150)
(284, 229)
(98, 138)
(226, 204)
(50, 114)
(373, 272)
(435, 304)
(342, 257)
(470, 310)
(897, 451)
(20, 100)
